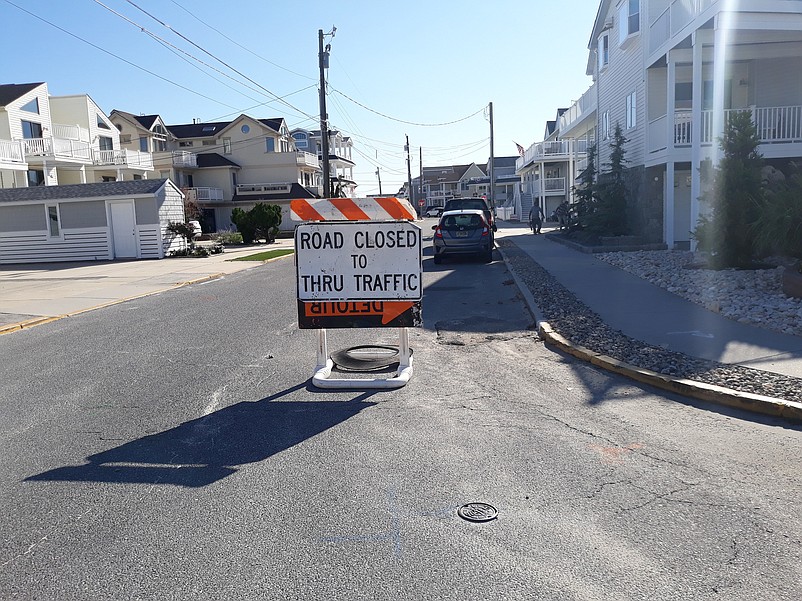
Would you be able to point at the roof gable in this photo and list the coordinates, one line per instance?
(12, 91)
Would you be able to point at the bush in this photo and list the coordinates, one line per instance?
(778, 228)
(228, 238)
(261, 221)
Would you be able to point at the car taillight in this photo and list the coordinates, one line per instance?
(438, 233)
(485, 231)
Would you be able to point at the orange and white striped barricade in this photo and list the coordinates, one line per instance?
(359, 265)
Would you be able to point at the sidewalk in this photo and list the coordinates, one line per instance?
(38, 292)
(653, 315)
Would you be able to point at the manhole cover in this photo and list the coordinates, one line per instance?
(477, 512)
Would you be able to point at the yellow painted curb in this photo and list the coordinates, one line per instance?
(690, 388)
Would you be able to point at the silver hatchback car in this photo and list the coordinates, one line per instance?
(464, 232)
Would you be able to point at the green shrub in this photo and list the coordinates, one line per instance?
(228, 238)
(778, 228)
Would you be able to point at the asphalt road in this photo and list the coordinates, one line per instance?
(171, 448)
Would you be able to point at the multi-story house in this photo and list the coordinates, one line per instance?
(442, 183)
(669, 72)
(226, 164)
(52, 140)
(341, 164)
(548, 169)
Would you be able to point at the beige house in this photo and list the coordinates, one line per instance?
(226, 164)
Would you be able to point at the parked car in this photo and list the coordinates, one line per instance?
(456, 204)
(433, 211)
(461, 233)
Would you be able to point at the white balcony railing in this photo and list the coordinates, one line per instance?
(668, 17)
(58, 148)
(307, 159)
(578, 110)
(774, 124)
(549, 185)
(70, 132)
(123, 157)
(553, 151)
(182, 158)
(12, 152)
(203, 194)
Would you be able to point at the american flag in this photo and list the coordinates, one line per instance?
(520, 148)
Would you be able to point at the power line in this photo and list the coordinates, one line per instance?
(401, 120)
(194, 16)
(156, 75)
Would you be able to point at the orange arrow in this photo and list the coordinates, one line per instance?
(389, 310)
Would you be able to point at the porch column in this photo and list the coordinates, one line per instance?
(668, 180)
(696, 132)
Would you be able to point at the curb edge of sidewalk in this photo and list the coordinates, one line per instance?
(746, 401)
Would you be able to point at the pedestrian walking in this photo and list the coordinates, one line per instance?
(536, 217)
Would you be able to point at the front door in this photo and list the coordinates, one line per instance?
(123, 229)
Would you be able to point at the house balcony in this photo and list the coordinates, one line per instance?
(203, 195)
(123, 158)
(12, 154)
(669, 17)
(550, 186)
(776, 125)
(553, 151)
(182, 158)
(57, 149)
(307, 159)
(579, 112)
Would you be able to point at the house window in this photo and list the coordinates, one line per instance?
(606, 125)
(31, 130)
(628, 19)
(36, 177)
(604, 51)
(631, 111)
(32, 106)
(143, 143)
(108, 178)
(105, 143)
(226, 145)
(125, 138)
(101, 123)
(53, 224)
(270, 145)
(185, 144)
(209, 143)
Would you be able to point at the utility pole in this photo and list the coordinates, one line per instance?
(323, 63)
(492, 166)
(420, 183)
(409, 170)
(380, 181)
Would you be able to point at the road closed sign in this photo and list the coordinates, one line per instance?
(361, 260)
(359, 274)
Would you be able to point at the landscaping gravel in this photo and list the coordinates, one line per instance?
(579, 324)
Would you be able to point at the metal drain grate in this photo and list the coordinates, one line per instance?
(477, 512)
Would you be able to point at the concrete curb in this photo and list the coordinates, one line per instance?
(689, 388)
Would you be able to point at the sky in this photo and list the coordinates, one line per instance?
(424, 69)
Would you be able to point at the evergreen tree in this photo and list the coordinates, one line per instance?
(737, 194)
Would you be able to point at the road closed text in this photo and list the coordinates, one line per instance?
(359, 261)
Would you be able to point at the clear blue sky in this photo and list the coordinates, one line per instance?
(418, 62)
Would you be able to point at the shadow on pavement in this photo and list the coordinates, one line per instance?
(204, 450)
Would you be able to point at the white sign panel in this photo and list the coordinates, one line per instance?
(359, 260)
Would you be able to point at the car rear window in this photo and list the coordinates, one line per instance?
(455, 222)
(468, 204)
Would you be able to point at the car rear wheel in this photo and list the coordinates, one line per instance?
(438, 259)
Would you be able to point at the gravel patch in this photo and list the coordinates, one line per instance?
(579, 324)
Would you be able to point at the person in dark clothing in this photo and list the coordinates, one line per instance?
(536, 217)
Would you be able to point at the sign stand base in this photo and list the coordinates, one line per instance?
(322, 376)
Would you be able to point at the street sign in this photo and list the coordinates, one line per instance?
(359, 274)
(362, 260)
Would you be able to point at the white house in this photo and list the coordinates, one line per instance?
(669, 72)
(62, 140)
(89, 222)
